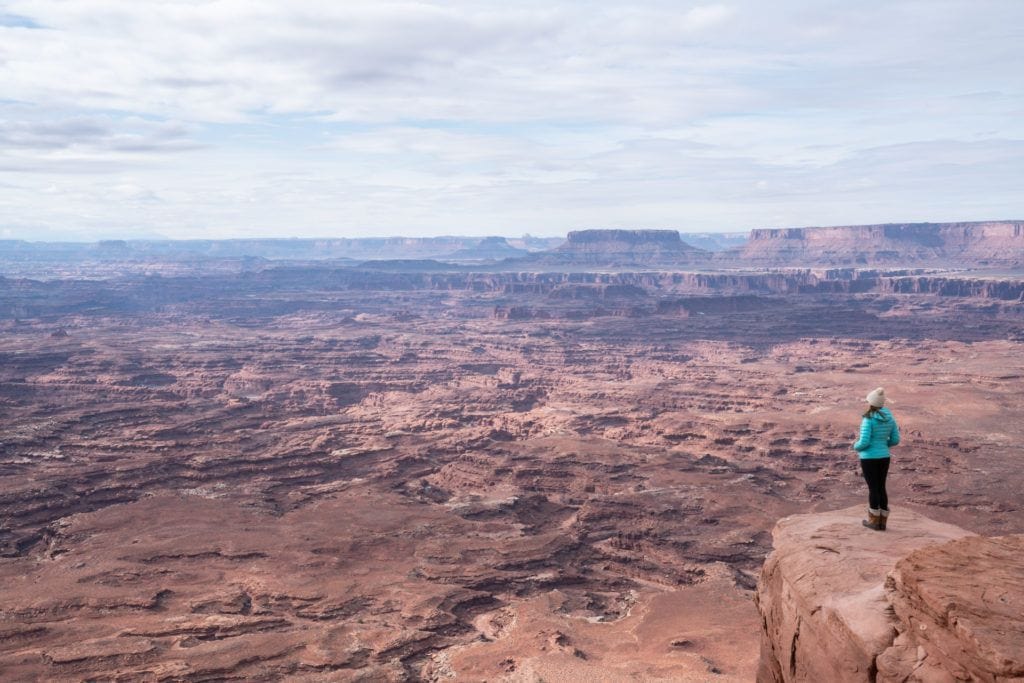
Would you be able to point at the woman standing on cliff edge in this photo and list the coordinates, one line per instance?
(878, 432)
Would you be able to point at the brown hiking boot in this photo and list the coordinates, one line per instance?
(874, 520)
(883, 517)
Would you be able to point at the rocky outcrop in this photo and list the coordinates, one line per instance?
(979, 243)
(960, 608)
(924, 601)
(994, 288)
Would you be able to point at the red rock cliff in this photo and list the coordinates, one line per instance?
(923, 601)
(993, 243)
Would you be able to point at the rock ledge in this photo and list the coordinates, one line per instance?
(923, 601)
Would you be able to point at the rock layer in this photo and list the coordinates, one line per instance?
(960, 608)
(991, 242)
(285, 289)
(621, 247)
(924, 601)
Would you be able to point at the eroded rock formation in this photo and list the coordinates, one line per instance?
(980, 243)
(306, 471)
(623, 247)
(923, 601)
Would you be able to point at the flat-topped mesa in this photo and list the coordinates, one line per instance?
(977, 243)
(619, 247)
(923, 601)
(626, 240)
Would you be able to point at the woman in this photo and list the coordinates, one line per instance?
(878, 432)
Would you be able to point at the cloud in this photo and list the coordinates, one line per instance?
(705, 16)
(17, 21)
(355, 61)
(382, 62)
(299, 116)
(46, 144)
(131, 135)
(133, 193)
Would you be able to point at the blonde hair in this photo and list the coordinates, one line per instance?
(872, 410)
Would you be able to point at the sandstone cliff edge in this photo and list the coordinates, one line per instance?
(923, 601)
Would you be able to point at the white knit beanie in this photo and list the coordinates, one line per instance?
(876, 398)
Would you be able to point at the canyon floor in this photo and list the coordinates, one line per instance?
(398, 483)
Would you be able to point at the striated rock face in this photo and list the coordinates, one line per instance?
(960, 608)
(1006, 289)
(988, 243)
(924, 601)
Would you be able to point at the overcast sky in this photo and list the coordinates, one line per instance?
(248, 118)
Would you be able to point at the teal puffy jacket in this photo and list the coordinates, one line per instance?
(877, 434)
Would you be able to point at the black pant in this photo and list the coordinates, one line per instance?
(875, 471)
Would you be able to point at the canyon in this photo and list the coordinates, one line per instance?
(564, 465)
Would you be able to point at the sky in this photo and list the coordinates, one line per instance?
(296, 118)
